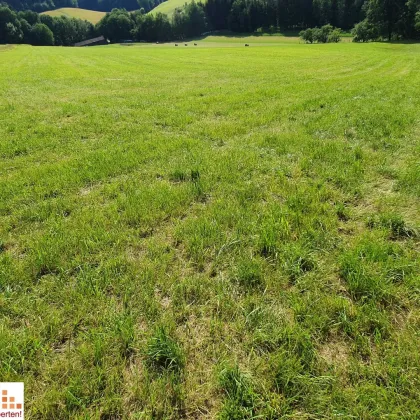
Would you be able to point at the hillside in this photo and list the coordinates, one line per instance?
(168, 7)
(89, 15)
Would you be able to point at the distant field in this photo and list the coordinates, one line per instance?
(168, 7)
(89, 15)
(234, 40)
(213, 231)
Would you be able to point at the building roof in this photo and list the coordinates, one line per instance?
(89, 41)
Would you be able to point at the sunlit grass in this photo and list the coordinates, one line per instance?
(211, 232)
(168, 7)
(90, 15)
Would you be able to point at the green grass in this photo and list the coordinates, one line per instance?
(212, 231)
(168, 7)
(73, 12)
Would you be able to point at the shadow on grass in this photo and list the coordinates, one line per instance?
(401, 41)
(230, 34)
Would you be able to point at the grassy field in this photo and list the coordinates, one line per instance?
(89, 15)
(168, 7)
(220, 232)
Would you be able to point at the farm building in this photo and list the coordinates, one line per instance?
(100, 40)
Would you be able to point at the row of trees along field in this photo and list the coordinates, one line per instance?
(372, 20)
(28, 27)
(186, 22)
(99, 5)
(388, 18)
(248, 15)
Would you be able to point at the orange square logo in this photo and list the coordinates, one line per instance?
(12, 399)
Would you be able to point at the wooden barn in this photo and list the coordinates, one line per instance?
(100, 40)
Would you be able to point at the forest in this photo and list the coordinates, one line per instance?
(99, 5)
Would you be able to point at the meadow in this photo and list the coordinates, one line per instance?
(211, 232)
(168, 7)
(91, 16)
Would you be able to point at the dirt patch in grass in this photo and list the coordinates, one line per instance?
(335, 353)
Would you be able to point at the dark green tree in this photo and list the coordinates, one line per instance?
(41, 35)
(189, 21)
(217, 12)
(10, 27)
(30, 16)
(387, 15)
(116, 26)
(307, 35)
(26, 31)
(152, 28)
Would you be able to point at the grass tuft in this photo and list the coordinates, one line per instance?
(249, 274)
(163, 352)
(298, 262)
(240, 399)
(288, 377)
(362, 283)
(395, 224)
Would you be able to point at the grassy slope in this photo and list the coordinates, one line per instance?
(168, 7)
(258, 204)
(89, 15)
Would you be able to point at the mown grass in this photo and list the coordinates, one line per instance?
(211, 232)
(90, 15)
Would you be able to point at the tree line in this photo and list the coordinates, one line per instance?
(326, 33)
(370, 20)
(98, 5)
(28, 27)
(186, 22)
